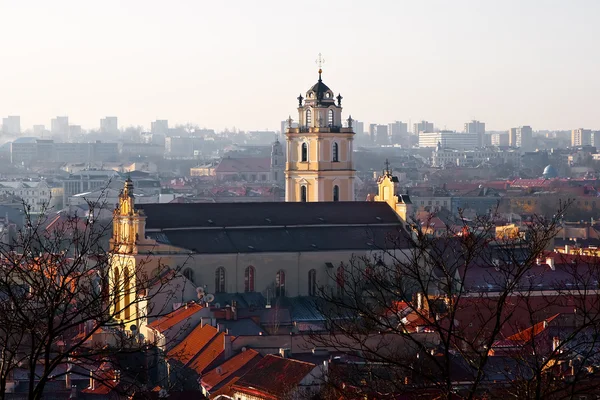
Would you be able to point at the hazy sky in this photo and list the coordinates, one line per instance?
(243, 63)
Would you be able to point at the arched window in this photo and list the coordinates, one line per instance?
(312, 282)
(308, 117)
(249, 279)
(336, 153)
(340, 280)
(304, 152)
(280, 283)
(189, 274)
(220, 280)
(336, 193)
(330, 119)
(127, 292)
(303, 195)
(117, 291)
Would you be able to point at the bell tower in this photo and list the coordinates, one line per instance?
(319, 151)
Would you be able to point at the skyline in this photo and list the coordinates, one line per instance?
(224, 65)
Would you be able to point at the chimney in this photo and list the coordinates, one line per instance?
(228, 350)
(234, 310)
(68, 379)
(228, 313)
(550, 262)
(285, 352)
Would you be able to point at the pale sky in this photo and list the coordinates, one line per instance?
(243, 63)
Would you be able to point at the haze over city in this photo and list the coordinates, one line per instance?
(240, 63)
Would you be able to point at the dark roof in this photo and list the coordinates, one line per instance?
(197, 215)
(293, 239)
(275, 375)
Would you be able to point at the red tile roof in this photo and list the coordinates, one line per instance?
(187, 349)
(175, 317)
(234, 367)
(274, 376)
(531, 332)
(209, 353)
(250, 164)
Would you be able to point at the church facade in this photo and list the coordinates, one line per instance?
(293, 248)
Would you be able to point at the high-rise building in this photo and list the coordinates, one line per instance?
(398, 132)
(525, 138)
(512, 137)
(59, 126)
(109, 125)
(422, 126)
(475, 127)
(11, 125)
(319, 152)
(74, 131)
(160, 126)
(359, 127)
(500, 139)
(581, 137)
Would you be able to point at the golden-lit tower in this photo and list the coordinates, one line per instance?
(319, 163)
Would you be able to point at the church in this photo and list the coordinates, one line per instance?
(274, 249)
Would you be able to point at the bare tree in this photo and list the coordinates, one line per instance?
(64, 314)
(473, 311)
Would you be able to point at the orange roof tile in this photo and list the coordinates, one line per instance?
(531, 332)
(209, 353)
(173, 318)
(230, 369)
(192, 344)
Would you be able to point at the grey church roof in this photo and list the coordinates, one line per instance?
(220, 228)
(170, 215)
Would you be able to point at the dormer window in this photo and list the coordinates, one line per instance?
(310, 95)
(328, 95)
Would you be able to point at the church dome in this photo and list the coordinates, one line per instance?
(320, 92)
(550, 172)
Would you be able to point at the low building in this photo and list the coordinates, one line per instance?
(444, 157)
(455, 140)
(37, 195)
(249, 169)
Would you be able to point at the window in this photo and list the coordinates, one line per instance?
(117, 291)
(220, 280)
(189, 274)
(312, 282)
(304, 152)
(336, 153)
(275, 175)
(280, 283)
(127, 289)
(330, 119)
(308, 117)
(340, 280)
(303, 194)
(249, 279)
(336, 193)
(263, 177)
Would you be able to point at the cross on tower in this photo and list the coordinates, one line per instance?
(387, 166)
(320, 61)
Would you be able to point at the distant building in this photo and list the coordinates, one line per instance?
(422, 126)
(521, 137)
(582, 137)
(475, 127)
(36, 194)
(379, 133)
(109, 125)
(249, 169)
(359, 127)
(45, 150)
(182, 147)
(448, 139)
(478, 128)
(398, 132)
(74, 131)
(500, 139)
(11, 125)
(142, 150)
(473, 158)
(277, 162)
(59, 126)
(160, 126)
